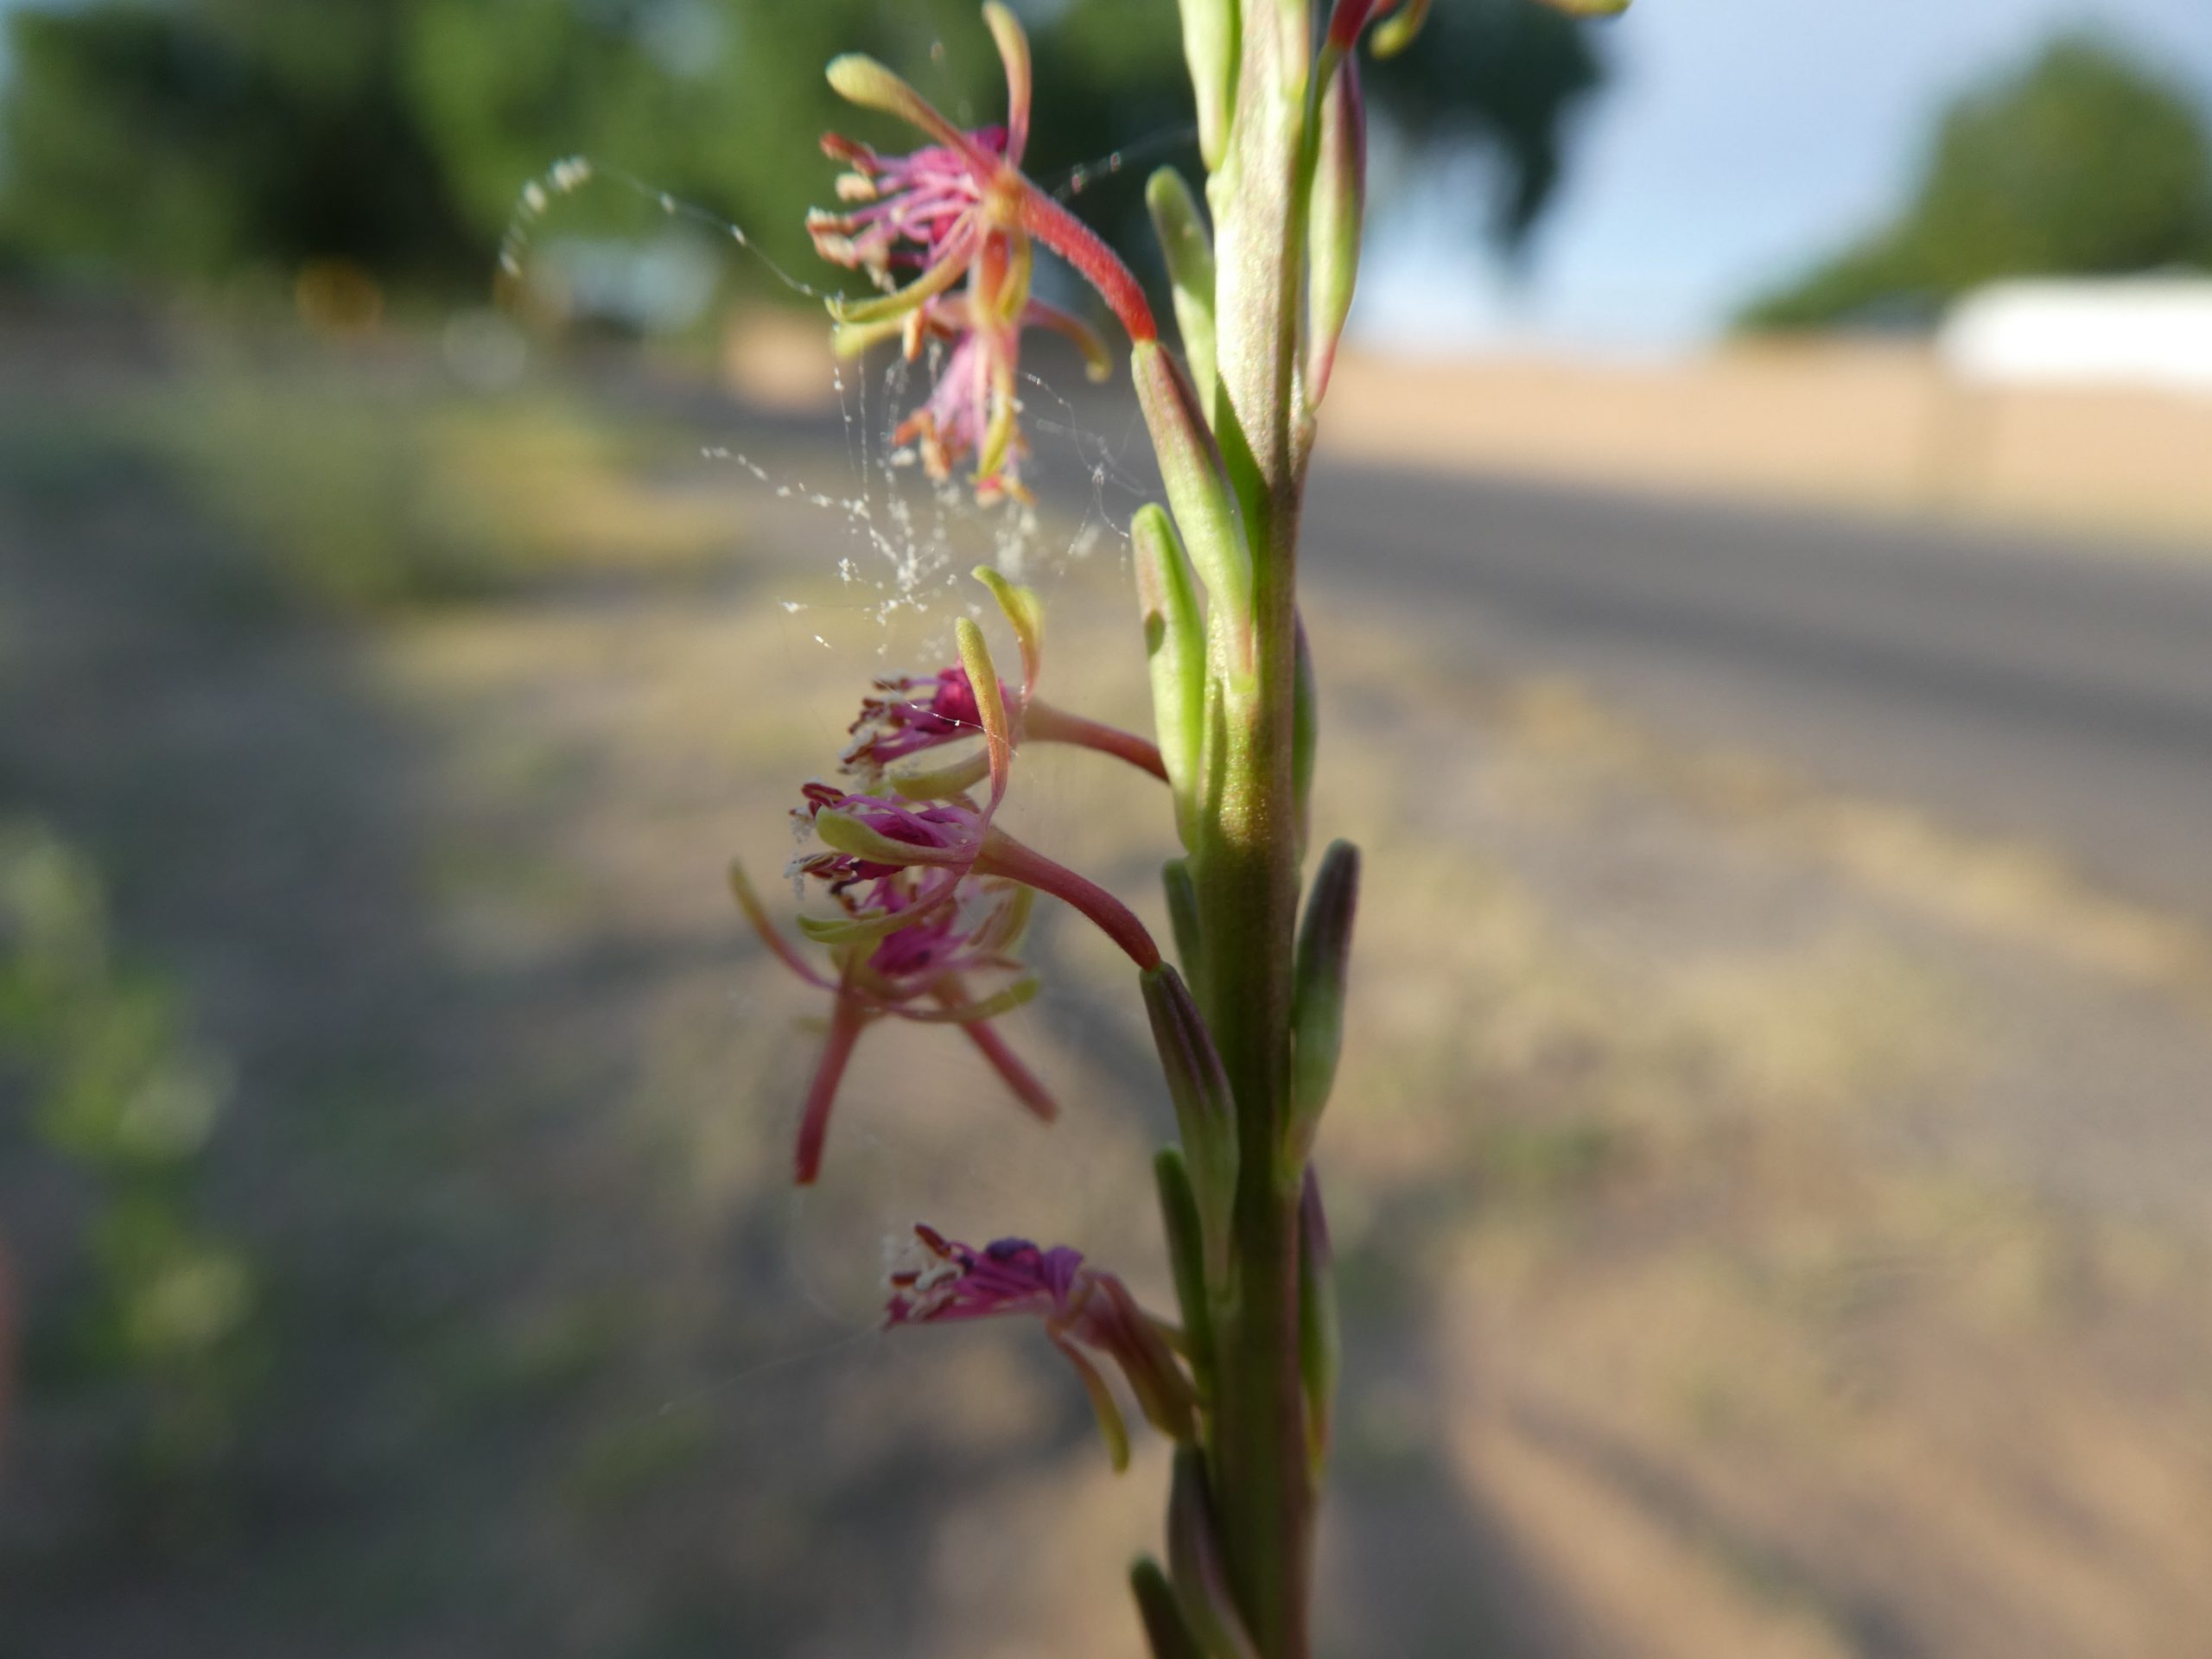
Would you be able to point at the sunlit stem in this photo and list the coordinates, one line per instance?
(1246, 863)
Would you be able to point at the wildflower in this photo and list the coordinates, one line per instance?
(906, 715)
(959, 208)
(930, 892)
(923, 971)
(1084, 1311)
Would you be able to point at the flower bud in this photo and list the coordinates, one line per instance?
(1183, 917)
(1196, 1564)
(1188, 250)
(1179, 1212)
(1175, 645)
(1336, 211)
(1304, 735)
(1318, 996)
(1205, 1113)
(1165, 1632)
(1210, 48)
(1320, 1347)
(1198, 490)
(1025, 614)
(1396, 32)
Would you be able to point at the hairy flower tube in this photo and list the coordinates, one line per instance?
(1083, 1311)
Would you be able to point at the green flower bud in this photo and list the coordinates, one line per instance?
(1188, 249)
(1318, 996)
(1175, 645)
(1165, 1632)
(1198, 490)
(1197, 1566)
(1205, 1113)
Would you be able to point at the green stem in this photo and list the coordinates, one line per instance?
(1246, 864)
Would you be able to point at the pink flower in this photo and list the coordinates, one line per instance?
(907, 713)
(929, 891)
(1083, 1312)
(915, 958)
(960, 207)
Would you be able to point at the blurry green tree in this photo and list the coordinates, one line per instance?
(189, 142)
(2086, 163)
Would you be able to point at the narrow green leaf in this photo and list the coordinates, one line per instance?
(1187, 247)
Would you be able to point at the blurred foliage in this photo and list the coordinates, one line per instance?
(162, 1315)
(191, 141)
(2086, 163)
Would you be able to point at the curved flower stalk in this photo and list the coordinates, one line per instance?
(1083, 1311)
(960, 209)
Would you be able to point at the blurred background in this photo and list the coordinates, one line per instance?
(1758, 563)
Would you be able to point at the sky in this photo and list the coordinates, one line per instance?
(1738, 140)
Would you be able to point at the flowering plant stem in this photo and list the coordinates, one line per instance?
(929, 890)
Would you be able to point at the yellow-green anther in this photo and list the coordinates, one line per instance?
(1183, 917)
(1199, 492)
(1305, 734)
(983, 680)
(1175, 649)
(1205, 1112)
(1165, 1635)
(858, 79)
(1179, 1212)
(847, 833)
(851, 340)
(1188, 246)
(941, 783)
(1320, 1344)
(1197, 1568)
(1025, 614)
(1336, 210)
(1396, 32)
(1210, 48)
(1318, 996)
(1589, 8)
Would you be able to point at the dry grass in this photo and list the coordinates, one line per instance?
(1863, 427)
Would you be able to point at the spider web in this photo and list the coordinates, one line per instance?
(900, 547)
